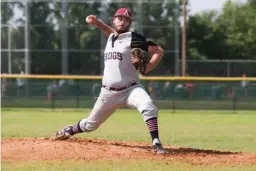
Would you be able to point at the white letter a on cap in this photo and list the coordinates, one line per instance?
(126, 13)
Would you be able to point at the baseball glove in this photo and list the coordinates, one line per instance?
(139, 60)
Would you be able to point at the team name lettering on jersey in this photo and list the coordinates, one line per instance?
(113, 55)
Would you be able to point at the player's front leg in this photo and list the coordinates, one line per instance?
(103, 108)
(70, 130)
(95, 119)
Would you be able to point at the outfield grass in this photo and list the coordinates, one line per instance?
(216, 130)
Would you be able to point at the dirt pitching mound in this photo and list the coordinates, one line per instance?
(37, 149)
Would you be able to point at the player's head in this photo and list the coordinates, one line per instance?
(122, 20)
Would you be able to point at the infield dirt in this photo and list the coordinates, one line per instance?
(37, 149)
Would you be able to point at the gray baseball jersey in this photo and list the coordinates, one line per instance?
(119, 72)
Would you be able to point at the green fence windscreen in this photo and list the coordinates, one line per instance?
(41, 93)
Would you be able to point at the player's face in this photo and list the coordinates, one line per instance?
(121, 24)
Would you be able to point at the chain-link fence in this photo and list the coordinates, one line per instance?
(221, 68)
(51, 37)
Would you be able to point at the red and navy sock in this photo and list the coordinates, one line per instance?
(152, 124)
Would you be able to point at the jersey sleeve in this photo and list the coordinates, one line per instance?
(139, 41)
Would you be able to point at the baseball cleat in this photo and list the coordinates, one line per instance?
(63, 134)
(158, 149)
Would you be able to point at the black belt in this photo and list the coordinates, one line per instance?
(120, 88)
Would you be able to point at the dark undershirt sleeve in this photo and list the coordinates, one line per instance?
(139, 41)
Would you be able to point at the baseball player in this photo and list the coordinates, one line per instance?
(120, 84)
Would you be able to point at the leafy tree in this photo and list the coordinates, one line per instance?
(7, 13)
(83, 37)
(204, 36)
(157, 21)
(227, 35)
(238, 23)
(43, 37)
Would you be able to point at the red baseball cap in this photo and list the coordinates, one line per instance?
(124, 12)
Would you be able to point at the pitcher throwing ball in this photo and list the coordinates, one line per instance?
(123, 60)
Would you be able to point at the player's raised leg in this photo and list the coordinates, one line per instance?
(105, 105)
(139, 99)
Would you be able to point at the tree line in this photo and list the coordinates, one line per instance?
(226, 34)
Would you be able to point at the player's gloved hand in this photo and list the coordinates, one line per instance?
(91, 19)
(139, 60)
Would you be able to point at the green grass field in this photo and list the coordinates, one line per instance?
(215, 130)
